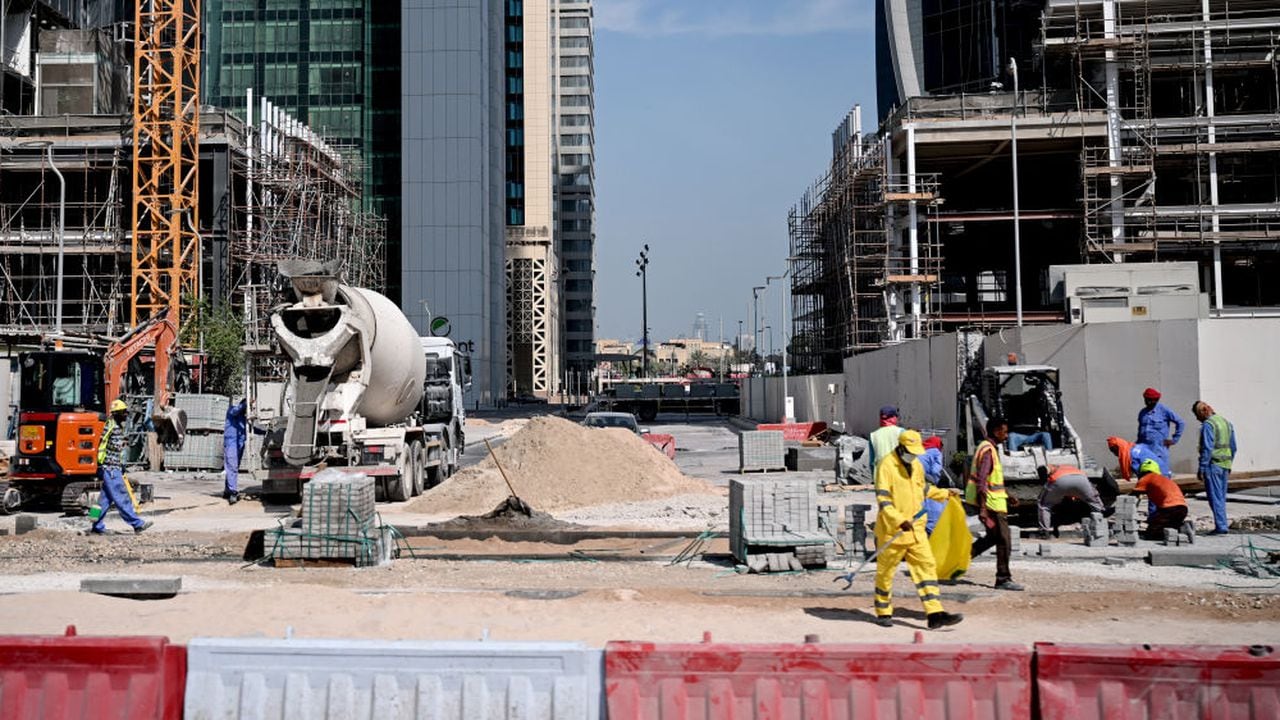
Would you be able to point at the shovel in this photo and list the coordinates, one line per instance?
(514, 502)
(848, 577)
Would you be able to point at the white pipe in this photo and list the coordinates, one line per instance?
(1213, 159)
(248, 191)
(62, 236)
(857, 131)
(913, 231)
(1017, 220)
(889, 238)
(1113, 125)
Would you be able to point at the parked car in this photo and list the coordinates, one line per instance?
(614, 420)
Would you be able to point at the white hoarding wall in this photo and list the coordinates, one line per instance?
(918, 377)
(1238, 377)
(817, 398)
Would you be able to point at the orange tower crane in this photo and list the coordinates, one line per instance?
(166, 156)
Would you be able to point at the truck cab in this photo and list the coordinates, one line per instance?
(442, 408)
(1029, 397)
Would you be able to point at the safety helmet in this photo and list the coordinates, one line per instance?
(1149, 466)
(118, 406)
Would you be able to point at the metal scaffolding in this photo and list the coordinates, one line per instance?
(867, 258)
(1191, 91)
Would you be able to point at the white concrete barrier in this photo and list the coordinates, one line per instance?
(250, 679)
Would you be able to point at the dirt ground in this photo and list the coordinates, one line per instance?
(596, 590)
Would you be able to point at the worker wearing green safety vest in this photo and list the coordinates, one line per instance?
(111, 471)
(1217, 451)
(985, 491)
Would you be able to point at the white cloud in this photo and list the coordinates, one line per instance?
(720, 18)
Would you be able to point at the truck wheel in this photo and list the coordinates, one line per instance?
(400, 485)
(436, 473)
(415, 455)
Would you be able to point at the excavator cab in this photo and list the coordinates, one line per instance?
(61, 410)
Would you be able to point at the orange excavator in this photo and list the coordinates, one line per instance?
(62, 401)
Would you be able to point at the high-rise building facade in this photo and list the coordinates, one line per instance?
(575, 179)
(333, 64)
(454, 128)
(533, 317)
(550, 192)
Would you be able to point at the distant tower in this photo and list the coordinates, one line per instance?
(700, 327)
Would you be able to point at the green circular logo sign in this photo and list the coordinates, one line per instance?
(440, 327)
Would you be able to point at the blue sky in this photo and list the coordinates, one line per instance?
(712, 117)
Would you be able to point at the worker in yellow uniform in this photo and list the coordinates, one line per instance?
(900, 532)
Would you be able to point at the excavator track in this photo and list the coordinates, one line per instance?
(75, 497)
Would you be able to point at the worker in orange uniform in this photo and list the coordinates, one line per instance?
(900, 532)
(985, 491)
(1171, 504)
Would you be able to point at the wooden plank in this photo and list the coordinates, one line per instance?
(911, 278)
(1119, 170)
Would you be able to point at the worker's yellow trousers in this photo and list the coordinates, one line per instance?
(924, 573)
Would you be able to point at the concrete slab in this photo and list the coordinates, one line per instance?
(150, 588)
(1164, 557)
(24, 524)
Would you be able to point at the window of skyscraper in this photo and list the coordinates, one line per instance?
(575, 23)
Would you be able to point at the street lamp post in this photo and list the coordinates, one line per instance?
(643, 273)
(1017, 226)
(755, 324)
(787, 405)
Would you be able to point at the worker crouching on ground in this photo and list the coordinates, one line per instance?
(900, 533)
(1217, 452)
(111, 471)
(985, 491)
(1061, 483)
(1170, 504)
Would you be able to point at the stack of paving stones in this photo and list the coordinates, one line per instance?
(202, 444)
(761, 450)
(809, 459)
(1126, 520)
(855, 530)
(774, 525)
(1095, 531)
(338, 523)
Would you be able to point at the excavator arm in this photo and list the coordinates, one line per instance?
(161, 333)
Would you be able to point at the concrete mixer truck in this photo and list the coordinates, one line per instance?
(365, 393)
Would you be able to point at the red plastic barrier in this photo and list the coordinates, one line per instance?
(798, 432)
(665, 443)
(711, 681)
(1124, 682)
(62, 677)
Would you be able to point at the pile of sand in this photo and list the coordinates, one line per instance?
(556, 465)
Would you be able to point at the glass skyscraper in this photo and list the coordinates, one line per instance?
(333, 64)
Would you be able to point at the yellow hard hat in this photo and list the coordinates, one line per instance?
(118, 406)
(910, 440)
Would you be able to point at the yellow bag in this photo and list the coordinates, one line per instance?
(951, 542)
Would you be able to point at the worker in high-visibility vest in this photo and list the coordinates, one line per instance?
(1063, 482)
(900, 532)
(985, 491)
(111, 471)
(881, 442)
(1217, 452)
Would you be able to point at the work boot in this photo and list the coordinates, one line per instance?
(146, 524)
(884, 620)
(1009, 585)
(943, 619)
(233, 498)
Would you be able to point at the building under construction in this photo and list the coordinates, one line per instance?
(1143, 131)
(270, 189)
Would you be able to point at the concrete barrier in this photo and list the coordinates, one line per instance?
(376, 680)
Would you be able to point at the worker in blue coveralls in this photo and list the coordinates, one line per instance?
(1154, 420)
(1217, 452)
(111, 471)
(233, 438)
(931, 461)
